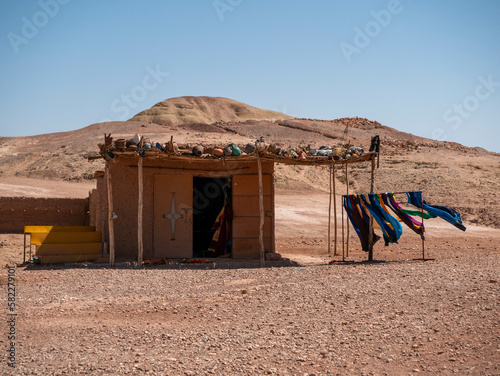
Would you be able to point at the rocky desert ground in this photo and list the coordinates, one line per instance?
(301, 316)
(298, 316)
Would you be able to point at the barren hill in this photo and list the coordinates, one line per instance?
(185, 110)
(448, 173)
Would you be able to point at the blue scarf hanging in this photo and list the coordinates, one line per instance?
(448, 214)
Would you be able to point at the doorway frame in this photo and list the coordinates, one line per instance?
(228, 180)
(194, 174)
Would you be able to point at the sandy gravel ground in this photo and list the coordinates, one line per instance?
(298, 317)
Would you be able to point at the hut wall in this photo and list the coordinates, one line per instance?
(17, 212)
(246, 214)
(124, 173)
(98, 207)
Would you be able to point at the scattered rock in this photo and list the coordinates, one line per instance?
(272, 256)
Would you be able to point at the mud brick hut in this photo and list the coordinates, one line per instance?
(159, 204)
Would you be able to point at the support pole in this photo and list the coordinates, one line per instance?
(334, 210)
(111, 230)
(423, 232)
(370, 236)
(343, 241)
(347, 221)
(261, 212)
(24, 249)
(330, 213)
(140, 245)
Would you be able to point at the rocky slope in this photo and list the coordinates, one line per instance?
(448, 173)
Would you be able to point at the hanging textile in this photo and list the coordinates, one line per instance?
(418, 213)
(379, 204)
(390, 234)
(360, 221)
(375, 144)
(363, 209)
(221, 240)
(360, 208)
(391, 202)
(448, 214)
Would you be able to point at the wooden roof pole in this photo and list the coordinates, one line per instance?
(347, 221)
(111, 230)
(330, 211)
(370, 234)
(140, 245)
(423, 232)
(261, 213)
(343, 240)
(334, 211)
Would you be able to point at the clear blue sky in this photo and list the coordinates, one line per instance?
(431, 68)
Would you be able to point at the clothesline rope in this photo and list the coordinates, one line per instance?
(394, 193)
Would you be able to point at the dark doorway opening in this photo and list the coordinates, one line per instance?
(212, 212)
